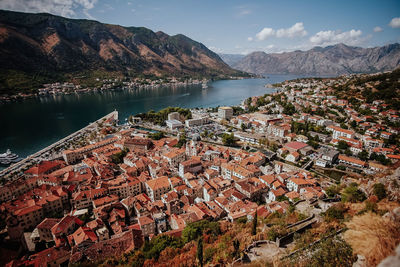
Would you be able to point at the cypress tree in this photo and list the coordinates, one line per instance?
(200, 251)
(254, 228)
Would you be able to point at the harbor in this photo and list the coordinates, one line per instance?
(52, 151)
(43, 121)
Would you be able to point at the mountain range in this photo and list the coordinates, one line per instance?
(36, 48)
(331, 60)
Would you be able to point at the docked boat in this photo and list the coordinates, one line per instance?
(204, 85)
(8, 158)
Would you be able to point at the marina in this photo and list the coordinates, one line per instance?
(42, 121)
(47, 152)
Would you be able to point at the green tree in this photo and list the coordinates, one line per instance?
(332, 191)
(182, 140)
(332, 252)
(313, 144)
(363, 155)
(236, 246)
(254, 226)
(152, 249)
(379, 191)
(228, 139)
(335, 212)
(194, 230)
(353, 194)
(118, 158)
(342, 145)
(209, 253)
(200, 251)
(157, 135)
(281, 198)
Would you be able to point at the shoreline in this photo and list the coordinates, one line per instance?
(54, 90)
(32, 158)
(122, 119)
(35, 157)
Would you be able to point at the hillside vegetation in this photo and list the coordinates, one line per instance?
(40, 48)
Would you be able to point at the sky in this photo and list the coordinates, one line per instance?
(241, 27)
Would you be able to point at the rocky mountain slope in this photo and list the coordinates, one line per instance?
(41, 47)
(331, 60)
(231, 59)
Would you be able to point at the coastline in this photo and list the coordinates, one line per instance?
(66, 88)
(35, 157)
(61, 114)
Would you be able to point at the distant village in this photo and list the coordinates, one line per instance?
(221, 164)
(64, 88)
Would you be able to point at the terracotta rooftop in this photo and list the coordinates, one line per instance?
(158, 183)
(48, 223)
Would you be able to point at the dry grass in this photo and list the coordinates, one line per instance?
(387, 205)
(372, 236)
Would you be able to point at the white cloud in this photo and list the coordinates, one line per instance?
(323, 38)
(378, 29)
(265, 33)
(66, 8)
(249, 39)
(395, 23)
(296, 30)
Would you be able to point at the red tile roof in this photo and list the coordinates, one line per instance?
(295, 145)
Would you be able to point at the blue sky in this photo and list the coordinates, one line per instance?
(242, 26)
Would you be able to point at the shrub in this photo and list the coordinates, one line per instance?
(371, 206)
(335, 212)
(273, 234)
(152, 249)
(332, 191)
(379, 191)
(194, 230)
(228, 139)
(118, 158)
(281, 198)
(157, 135)
(242, 220)
(353, 194)
(332, 252)
(209, 254)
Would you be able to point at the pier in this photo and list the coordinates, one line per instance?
(34, 158)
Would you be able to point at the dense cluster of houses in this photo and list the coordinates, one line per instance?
(82, 204)
(361, 133)
(106, 198)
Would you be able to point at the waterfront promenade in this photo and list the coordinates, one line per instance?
(41, 155)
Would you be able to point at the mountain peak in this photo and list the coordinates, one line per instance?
(330, 60)
(54, 48)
